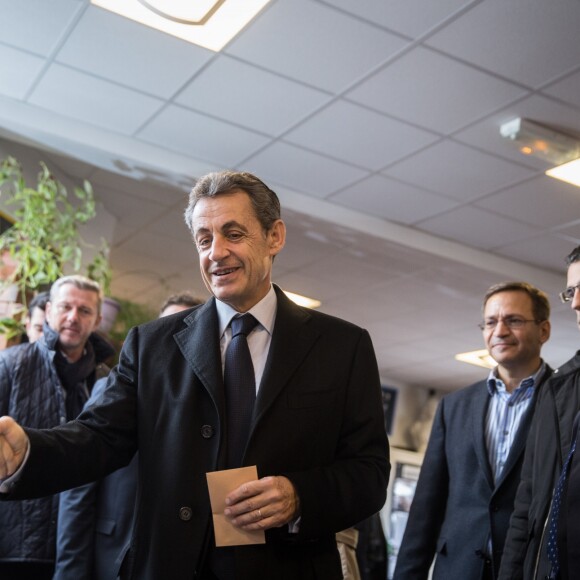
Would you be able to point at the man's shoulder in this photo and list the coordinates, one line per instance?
(21, 353)
(569, 369)
(332, 321)
(467, 395)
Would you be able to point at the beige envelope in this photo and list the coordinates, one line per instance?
(220, 483)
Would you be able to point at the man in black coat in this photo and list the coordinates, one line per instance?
(526, 550)
(317, 431)
(469, 477)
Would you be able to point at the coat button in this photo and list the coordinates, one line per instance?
(185, 514)
(207, 431)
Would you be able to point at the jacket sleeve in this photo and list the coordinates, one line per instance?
(428, 507)
(514, 553)
(5, 387)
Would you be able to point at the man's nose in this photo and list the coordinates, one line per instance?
(501, 328)
(73, 314)
(218, 249)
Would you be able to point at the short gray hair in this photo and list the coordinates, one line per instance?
(264, 201)
(80, 282)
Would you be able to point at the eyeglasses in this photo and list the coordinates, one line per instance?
(512, 322)
(568, 294)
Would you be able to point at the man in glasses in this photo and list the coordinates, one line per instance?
(464, 497)
(543, 539)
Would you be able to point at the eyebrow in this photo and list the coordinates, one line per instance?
(228, 225)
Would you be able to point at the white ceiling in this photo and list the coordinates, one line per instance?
(377, 122)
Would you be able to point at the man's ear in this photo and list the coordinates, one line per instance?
(277, 237)
(545, 330)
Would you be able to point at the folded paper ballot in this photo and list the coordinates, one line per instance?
(220, 484)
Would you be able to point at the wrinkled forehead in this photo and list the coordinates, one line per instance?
(218, 212)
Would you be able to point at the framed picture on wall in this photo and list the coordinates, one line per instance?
(389, 403)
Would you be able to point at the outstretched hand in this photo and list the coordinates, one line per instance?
(270, 502)
(13, 446)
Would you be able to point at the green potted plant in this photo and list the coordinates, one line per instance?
(44, 240)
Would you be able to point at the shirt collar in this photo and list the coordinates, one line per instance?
(495, 384)
(264, 312)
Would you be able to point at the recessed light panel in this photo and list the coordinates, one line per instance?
(218, 21)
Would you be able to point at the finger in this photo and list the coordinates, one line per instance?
(246, 490)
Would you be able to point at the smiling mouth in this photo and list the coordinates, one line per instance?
(223, 271)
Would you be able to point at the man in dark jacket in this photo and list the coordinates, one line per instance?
(44, 384)
(464, 498)
(526, 550)
(312, 422)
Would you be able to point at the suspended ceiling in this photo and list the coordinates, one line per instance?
(377, 122)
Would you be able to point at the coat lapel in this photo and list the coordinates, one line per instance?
(292, 340)
(199, 344)
(480, 402)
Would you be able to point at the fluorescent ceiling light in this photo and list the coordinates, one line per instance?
(211, 24)
(303, 300)
(541, 141)
(479, 358)
(569, 172)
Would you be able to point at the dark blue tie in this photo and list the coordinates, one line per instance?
(240, 385)
(553, 552)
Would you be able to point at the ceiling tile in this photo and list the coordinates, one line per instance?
(433, 91)
(122, 206)
(357, 135)
(37, 25)
(18, 71)
(137, 189)
(393, 200)
(516, 49)
(302, 170)
(261, 100)
(543, 202)
(314, 44)
(545, 251)
(154, 246)
(477, 228)
(196, 135)
(172, 224)
(485, 134)
(571, 230)
(131, 54)
(80, 96)
(411, 17)
(567, 89)
(457, 171)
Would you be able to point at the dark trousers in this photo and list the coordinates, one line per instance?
(26, 571)
(487, 570)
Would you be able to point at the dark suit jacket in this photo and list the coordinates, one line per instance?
(457, 506)
(318, 421)
(95, 522)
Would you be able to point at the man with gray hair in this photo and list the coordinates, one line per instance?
(248, 379)
(44, 384)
